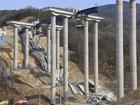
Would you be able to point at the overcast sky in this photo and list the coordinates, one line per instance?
(17, 4)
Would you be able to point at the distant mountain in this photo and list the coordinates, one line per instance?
(109, 12)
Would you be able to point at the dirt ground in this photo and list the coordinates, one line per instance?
(7, 93)
(132, 98)
(33, 86)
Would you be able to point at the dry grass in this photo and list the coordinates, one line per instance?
(132, 98)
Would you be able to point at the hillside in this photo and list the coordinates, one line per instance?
(107, 44)
(7, 15)
(132, 98)
(108, 11)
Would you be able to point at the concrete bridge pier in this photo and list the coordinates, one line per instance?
(86, 20)
(49, 49)
(119, 49)
(133, 46)
(65, 14)
(57, 48)
(26, 54)
(95, 57)
(53, 59)
(65, 29)
(15, 54)
(86, 57)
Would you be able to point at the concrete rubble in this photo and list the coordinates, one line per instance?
(100, 98)
(103, 98)
(78, 88)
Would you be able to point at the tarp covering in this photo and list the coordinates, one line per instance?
(88, 11)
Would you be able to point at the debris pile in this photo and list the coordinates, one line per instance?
(77, 88)
(100, 98)
(37, 51)
(105, 98)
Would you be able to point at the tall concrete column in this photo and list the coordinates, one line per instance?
(133, 46)
(95, 55)
(119, 49)
(57, 49)
(26, 56)
(49, 49)
(53, 60)
(86, 58)
(15, 46)
(66, 76)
